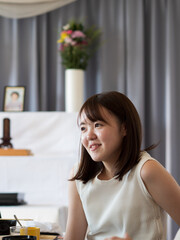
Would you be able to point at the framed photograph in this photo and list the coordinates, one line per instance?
(14, 99)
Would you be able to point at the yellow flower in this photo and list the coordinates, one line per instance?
(64, 35)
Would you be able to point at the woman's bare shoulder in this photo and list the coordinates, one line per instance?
(151, 169)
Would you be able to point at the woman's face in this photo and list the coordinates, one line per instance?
(102, 140)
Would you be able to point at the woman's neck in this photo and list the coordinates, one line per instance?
(106, 174)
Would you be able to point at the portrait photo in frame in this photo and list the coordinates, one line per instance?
(14, 99)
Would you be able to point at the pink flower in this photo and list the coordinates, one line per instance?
(69, 32)
(78, 34)
(69, 41)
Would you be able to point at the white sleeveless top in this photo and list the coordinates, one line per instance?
(114, 207)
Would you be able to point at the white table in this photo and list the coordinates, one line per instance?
(53, 215)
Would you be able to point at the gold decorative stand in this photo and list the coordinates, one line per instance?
(15, 152)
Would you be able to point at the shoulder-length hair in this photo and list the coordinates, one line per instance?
(119, 105)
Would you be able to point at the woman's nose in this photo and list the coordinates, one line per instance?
(91, 135)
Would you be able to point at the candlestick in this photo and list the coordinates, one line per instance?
(6, 134)
(6, 128)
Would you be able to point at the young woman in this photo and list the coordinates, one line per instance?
(117, 188)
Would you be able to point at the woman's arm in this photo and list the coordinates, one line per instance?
(163, 188)
(76, 223)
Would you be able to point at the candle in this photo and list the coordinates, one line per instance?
(6, 125)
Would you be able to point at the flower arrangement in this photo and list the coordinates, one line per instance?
(77, 45)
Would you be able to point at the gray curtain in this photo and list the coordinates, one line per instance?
(139, 56)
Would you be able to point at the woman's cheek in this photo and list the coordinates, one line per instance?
(83, 142)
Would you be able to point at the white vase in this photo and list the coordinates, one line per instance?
(74, 89)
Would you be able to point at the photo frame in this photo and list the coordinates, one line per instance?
(14, 99)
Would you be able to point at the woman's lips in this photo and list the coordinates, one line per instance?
(93, 147)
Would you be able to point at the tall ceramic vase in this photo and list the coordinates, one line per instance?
(74, 89)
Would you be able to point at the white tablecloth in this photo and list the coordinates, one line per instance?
(44, 180)
(53, 217)
(44, 133)
(53, 138)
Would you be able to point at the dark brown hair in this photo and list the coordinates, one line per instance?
(119, 105)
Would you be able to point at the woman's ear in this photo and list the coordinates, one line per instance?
(123, 129)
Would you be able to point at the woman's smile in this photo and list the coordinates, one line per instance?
(93, 147)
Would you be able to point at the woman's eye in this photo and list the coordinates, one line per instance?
(82, 129)
(98, 124)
